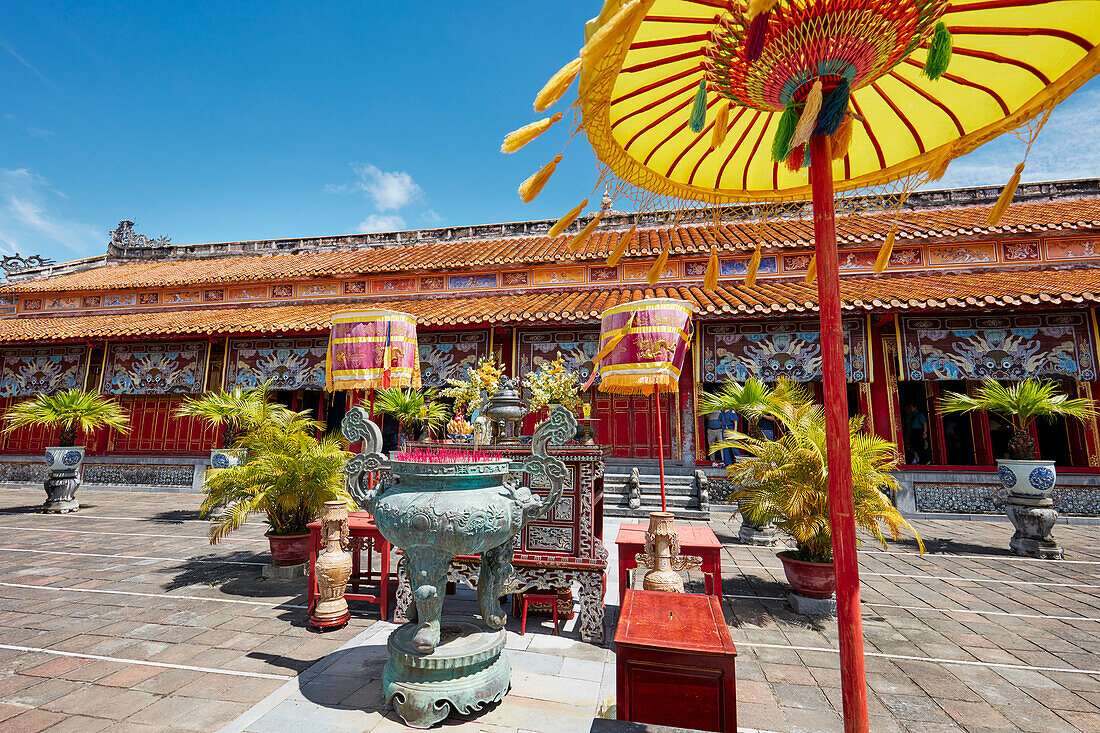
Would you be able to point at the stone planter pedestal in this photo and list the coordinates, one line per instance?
(1033, 518)
(63, 480)
(750, 534)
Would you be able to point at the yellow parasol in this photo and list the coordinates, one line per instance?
(723, 101)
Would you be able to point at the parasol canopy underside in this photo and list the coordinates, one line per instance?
(1012, 60)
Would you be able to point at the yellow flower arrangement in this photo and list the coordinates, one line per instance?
(553, 383)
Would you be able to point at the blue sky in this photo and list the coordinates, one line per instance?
(226, 121)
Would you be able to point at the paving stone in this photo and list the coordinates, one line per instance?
(32, 721)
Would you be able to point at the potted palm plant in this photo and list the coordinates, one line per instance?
(753, 400)
(414, 410)
(1021, 404)
(72, 411)
(785, 482)
(289, 476)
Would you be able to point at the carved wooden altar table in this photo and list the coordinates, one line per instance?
(562, 549)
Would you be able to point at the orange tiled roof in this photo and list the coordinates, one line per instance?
(899, 293)
(462, 254)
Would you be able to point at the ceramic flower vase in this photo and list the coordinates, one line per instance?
(333, 568)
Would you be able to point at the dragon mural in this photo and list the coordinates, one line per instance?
(1011, 347)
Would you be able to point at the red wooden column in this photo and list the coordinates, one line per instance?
(838, 443)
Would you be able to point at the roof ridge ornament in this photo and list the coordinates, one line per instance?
(124, 237)
(15, 263)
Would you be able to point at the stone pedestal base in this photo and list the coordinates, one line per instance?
(60, 489)
(1033, 519)
(284, 572)
(812, 606)
(750, 534)
(466, 672)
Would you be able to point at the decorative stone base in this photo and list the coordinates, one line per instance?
(284, 572)
(330, 623)
(466, 672)
(1033, 519)
(812, 606)
(61, 506)
(759, 536)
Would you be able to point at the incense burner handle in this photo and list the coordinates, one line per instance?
(557, 429)
(357, 427)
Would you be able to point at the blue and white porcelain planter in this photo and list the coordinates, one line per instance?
(62, 482)
(66, 458)
(226, 457)
(1031, 479)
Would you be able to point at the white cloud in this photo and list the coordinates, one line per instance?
(389, 190)
(34, 70)
(431, 217)
(1065, 149)
(30, 223)
(381, 223)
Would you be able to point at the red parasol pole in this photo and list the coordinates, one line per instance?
(660, 444)
(838, 442)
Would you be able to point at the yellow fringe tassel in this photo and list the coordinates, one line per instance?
(808, 120)
(721, 126)
(939, 167)
(516, 140)
(842, 138)
(1006, 197)
(754, 266)
(710, 282)
(530, 188)
(756, 7)
(886, 250)
(566, 220)
(609, 32)
(553, 90)
(658, 268)
(811, 273)
(584, 234)
(328, 369)
(621, 247)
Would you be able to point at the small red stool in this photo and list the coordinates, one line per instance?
(551, 598)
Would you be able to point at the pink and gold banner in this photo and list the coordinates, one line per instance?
(643, 344)
(372, 349)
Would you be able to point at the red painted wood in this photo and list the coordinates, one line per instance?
(880, 398)
(675, 662)
(32, 440)
(694, 540)
(838, 444)
(660, 443)
(155, 428)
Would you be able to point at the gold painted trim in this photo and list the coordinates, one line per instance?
(103, 367)
(206, 366)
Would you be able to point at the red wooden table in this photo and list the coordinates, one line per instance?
(362, 535)
(694, 541)
(674, 662)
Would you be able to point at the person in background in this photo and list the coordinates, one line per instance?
(916, 424)
(719, 427)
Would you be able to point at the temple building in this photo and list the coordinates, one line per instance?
(151, 322)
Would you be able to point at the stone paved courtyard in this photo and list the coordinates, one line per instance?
(123, 617)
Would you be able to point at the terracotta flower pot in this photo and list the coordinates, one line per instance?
(289, 549)
(809, 579)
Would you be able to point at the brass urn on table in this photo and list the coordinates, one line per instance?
(333, 568)
(662, 555)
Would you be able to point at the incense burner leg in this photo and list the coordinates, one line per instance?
(428, 573)
(496, 569)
